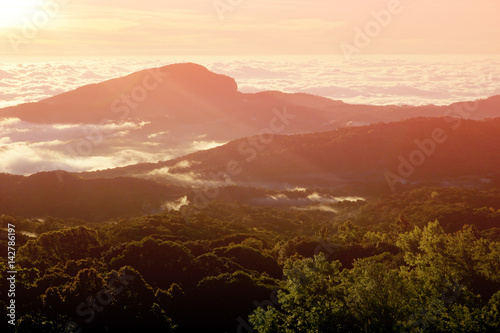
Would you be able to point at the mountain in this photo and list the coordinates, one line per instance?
(177, 109)
(349, 163)
(65, 195)
(384, 156)
(177, 98)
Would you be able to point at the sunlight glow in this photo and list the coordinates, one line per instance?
(12, 12)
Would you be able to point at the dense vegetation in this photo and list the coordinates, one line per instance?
(61, 194)
(120, 250)
(427, 260)
(462, 153)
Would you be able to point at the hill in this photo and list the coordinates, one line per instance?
(177, 109)
(437, 151)
(60, 194)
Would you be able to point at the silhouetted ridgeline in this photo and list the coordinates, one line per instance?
(61, 194)
(432, 151)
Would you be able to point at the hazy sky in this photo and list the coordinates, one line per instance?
(246, 27)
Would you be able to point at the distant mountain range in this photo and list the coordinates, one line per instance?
(365, 161)
(179, 104)
(276, 142)
(385, 156)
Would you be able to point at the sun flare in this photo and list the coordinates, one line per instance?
(12, 12)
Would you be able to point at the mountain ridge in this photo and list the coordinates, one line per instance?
(186, 82)
(351, 155)
(177, 109)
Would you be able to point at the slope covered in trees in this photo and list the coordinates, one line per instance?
(65, 195)
(232, 267)
(378, 158)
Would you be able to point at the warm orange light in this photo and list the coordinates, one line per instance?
(12, 12)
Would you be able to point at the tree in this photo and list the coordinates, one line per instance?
(313, 300)
(59, 246)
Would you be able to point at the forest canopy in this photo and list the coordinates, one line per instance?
(426, 260)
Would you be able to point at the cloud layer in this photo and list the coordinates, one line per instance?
(27, 148)
(381, 80)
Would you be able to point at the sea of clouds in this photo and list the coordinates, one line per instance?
(27, 148)
(382, 80)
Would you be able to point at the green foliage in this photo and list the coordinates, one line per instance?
(59, 246)
(208, 271)
(151, 255)
(68, 196)
(250, 258)
(312, 300)
(220, 298)
(448, 283)
(452, 207)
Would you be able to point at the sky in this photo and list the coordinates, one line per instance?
(52, 28)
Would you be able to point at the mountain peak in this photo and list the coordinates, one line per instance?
(198, 79)
(177, 89)
(176, 79)
(186, 68)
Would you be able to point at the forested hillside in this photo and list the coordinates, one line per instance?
(65, 195)
(374, 265)
(374, 159)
